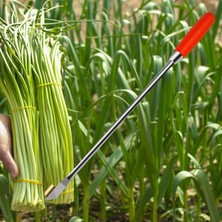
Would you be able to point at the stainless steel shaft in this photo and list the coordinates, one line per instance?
(173, 59)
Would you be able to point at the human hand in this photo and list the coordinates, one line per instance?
(6, 146)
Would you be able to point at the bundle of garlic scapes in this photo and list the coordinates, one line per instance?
(31, 79)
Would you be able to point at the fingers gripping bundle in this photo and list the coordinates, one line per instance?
(31, 79)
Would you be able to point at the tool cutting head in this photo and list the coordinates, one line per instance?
(53, 192)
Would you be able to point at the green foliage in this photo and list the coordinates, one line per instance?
(173, 138)
(5, 199)
(202, 184)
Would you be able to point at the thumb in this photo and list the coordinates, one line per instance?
(10, 164)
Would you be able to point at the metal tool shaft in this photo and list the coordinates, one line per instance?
(104, 138)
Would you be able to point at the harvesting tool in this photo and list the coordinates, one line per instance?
(185, 46)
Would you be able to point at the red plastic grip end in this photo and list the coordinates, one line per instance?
(195, 34)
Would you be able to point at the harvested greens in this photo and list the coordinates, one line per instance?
(31, 62)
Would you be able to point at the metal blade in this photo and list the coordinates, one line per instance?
(57, 190)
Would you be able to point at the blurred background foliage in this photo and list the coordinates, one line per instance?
(165, 162)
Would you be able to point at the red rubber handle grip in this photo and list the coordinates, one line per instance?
(195, 34)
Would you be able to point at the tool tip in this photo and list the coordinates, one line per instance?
(49, 190)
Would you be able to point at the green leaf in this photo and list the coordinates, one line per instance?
(107, 168)
(75, 219)
(202, 184)
(5, 199)
(165, 180)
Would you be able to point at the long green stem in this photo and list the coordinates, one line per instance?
(131, 204)
(103, 201)
(185, 206)
(37, 217)
(142, 188)
(155, 203)
(86, 202)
